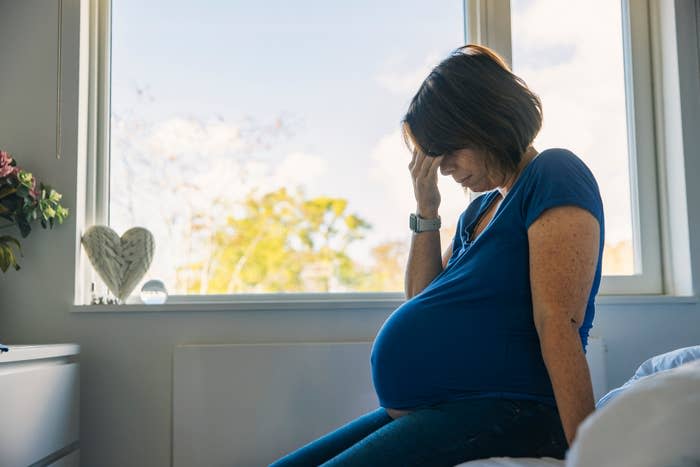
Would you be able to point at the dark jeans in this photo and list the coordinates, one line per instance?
(444, 434)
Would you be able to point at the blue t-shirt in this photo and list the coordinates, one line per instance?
(470, 332)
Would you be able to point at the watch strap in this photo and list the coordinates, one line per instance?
(419, 224)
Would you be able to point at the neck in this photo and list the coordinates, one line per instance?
(510, 181)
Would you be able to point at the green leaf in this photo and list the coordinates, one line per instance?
(24, 227)
(7, 258)
(8, 239)
(4, 257)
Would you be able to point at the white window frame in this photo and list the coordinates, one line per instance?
(489, 23)
(93, 135)
(486, 22)
(95, 115)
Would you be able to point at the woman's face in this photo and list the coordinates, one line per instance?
(468, 168)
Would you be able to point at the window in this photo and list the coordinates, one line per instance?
(587, 62)
(260, 143)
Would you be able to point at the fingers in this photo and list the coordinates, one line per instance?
(422, 165)
(435, 165)
(420, 162)
(428, 165)
(424, 174)
(413, 161)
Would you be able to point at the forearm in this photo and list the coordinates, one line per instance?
(568, 371)
(424, 262)
(424, 257)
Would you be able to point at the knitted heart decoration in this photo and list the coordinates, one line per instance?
(120, 262)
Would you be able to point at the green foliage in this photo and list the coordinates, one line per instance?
(283, 242)
(7, 256)
(22, 203)
(387, 272)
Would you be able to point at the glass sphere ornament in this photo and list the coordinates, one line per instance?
(153, 292)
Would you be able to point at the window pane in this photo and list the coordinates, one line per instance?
(570, 53)
(260, 141)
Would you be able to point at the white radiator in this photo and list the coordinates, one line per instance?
(596, 356)
(249, 404)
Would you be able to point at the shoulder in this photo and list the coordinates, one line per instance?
(559, 167)
(558, 161)
(558, 177)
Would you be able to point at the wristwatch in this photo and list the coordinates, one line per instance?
(418, 224)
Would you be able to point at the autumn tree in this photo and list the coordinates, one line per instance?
(281, 242)
(386, 273)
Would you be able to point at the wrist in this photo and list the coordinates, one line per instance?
(418, 223)
(427, 213)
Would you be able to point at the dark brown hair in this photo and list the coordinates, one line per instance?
(473, 100)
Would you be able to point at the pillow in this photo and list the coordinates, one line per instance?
(514, 462)
(654, 423)
(667, 361)
(653, 365)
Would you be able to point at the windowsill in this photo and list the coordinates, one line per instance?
(647, 300)
(315, 302)
(259, 302)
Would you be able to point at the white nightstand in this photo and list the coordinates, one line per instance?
(39, 406)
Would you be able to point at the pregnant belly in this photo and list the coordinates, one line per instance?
(424, 355)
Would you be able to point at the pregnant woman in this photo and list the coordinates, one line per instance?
(486, 357)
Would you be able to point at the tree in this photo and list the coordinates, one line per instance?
(386, 274)
(281, 242)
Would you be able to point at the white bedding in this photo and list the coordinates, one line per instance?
(514, 462)
(652, 423)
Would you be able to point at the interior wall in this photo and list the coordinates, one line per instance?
(687, 19)
(126, 358)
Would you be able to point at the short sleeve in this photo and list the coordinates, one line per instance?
(560, 178)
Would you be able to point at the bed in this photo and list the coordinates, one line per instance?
(515, 462)
(650, 421)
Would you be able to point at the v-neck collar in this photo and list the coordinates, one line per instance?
(488, 201)
(485, 205)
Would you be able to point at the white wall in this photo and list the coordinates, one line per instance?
(126, 361)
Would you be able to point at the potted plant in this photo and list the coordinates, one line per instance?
(22, 203)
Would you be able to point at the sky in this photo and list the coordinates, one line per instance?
(328, 83)
(578, 73)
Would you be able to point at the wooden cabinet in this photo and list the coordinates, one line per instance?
(39, 406)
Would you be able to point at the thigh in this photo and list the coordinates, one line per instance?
(452, 433)
(335, 442)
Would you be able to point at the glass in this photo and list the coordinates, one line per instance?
(571, 54)
(154, 292)
(260, 141)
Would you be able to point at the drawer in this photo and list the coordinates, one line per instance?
(40, 409)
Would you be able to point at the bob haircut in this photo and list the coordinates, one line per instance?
(472, 100)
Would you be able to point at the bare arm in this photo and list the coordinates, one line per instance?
(563, 257)
(424, 260)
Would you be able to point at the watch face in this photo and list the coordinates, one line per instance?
(412, 222)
